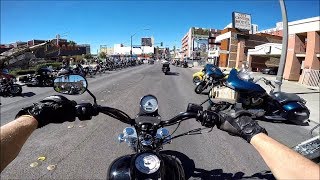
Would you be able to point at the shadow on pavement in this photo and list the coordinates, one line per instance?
(173, 73)
(308, 93)
(192, 172)
(28, 94)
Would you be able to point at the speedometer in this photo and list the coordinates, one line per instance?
(149, 104)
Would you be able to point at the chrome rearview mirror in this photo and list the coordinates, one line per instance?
(70, 84)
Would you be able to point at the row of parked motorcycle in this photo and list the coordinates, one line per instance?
(239, 90)
(44, 77)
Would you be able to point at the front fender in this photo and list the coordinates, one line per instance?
(199, 74)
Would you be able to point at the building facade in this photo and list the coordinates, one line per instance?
(53, 49)
(107, 50)
(235, 45)
(141, 51)
(196, 43)
(303, 53)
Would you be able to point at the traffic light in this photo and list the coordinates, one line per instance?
(161, 44)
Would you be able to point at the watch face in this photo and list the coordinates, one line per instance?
(149, 104)
(147, 163)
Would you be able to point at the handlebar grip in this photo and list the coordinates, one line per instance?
(208, 118)
(85, 111)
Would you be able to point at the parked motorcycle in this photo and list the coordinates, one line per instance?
(9, 88)
(165, 68)
(197, 77)
(42, 77)
(245, 93)
(146, 136)
(77, 70)
(212, 76)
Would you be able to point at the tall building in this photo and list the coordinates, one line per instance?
(107, 50)
(254, 29)
(196, 43)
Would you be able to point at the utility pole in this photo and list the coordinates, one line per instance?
(284, 46)
(131, 44)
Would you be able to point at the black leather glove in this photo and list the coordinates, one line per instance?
(52, 109)
(242, 126)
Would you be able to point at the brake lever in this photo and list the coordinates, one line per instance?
(193, 132)
(199, 131)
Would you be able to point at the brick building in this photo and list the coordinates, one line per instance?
(235, 45)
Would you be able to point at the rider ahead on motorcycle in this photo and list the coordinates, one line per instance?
(283, 162)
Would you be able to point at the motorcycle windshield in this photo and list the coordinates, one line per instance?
(212, 70)
(238, 84)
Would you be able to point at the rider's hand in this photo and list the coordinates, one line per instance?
(242, 126)
(52, 109)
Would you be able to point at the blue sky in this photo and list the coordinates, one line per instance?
(111, 22)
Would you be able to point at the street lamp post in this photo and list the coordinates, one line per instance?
(284, 46)
(131, 42)
(131, 45)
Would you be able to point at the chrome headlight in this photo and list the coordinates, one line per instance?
(129, 136)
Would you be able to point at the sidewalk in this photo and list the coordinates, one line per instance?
(311, 96)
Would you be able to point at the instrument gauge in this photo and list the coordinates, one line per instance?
(149, 104)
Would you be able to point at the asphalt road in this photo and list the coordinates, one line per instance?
(86, 150)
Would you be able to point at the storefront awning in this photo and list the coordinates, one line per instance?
(266, 49)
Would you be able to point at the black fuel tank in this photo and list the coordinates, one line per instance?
(124, 168)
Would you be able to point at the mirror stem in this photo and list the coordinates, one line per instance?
(94, 98)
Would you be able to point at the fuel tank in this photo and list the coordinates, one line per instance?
(214, 71)
(234, 82)
(127, 167)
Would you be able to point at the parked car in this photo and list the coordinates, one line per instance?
(270, 70)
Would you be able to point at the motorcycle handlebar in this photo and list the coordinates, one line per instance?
(85, 111)
(180, 117)
(117, 114)
(266, 81)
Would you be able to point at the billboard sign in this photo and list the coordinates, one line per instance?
(241, 21)
(200, 45)
(146, 42)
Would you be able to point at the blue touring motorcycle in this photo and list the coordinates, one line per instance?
(244, 93)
